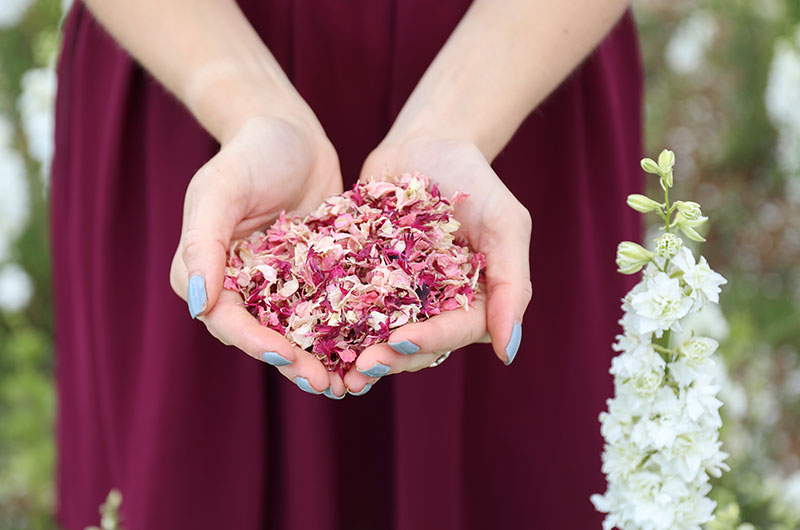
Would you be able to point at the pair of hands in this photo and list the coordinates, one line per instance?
(282, 163)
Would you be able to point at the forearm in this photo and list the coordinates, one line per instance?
(502, 60)
(207, 54)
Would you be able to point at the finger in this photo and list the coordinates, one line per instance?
(336, 387)
(446, 331)
(230, 322)
(508, 284)
(210, 213)
(357, 383)
(380, 360)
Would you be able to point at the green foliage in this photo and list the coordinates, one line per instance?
(26, 353)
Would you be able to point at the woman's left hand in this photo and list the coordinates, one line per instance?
(494, 223)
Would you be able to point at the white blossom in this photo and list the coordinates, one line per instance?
(705, 283)
(660, 305)
(781, 97)
(16, 288)
(12, 11)
(14, 193)
(662, 425)
(36, 107)
(686, 50)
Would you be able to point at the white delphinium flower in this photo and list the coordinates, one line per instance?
(705, 283)
(781, 96)
(14, 199)
(12, 11)
(687, 48)
(662, 425)
(36, 107)
(660, 305)
(16, 288)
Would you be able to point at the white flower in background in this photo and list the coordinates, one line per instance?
(686, 50)
(36, 106)
(16, 288)
(12, 11)
(14, 193)
(781, 97)
(709, 321)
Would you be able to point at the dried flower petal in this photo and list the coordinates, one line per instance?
(364, 263)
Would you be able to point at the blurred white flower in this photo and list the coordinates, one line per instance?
(14, 194)
(16, 288)
(709, 321)
(781, 97)
(12, 11)
(687, 48)
(36, 106)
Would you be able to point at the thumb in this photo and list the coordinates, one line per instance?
(209, 219)
(508, 285)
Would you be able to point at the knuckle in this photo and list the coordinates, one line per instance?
(175, 279)
(197, 244)
(527, 291)
(523, 216)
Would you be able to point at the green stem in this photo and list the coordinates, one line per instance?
(661, 349)
(667, 207)
(663, 342)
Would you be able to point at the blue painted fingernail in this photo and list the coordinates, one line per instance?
(329, 393)
(405, 347)
(303, 383)
(196, 295)
(275, 359)
(379, 370)
(364, 390)
(513, 343)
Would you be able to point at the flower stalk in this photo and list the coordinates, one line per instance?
(662, 425)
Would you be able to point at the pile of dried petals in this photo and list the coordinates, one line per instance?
(365, 262)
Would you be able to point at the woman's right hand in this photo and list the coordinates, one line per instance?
(268, 165)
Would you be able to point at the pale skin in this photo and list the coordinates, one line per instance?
(501, 61)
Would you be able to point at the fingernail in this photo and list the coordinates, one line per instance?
(405, 347)
(329, 393)
(513, 343)
(379, 370)
(364, 390)
(303, 383)
(196, 295)
(275, 359)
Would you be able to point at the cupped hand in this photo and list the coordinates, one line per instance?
(494, 223)
(268, 165)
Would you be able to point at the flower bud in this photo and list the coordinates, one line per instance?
(692, 234)
(649, 165)
(668, 245)
(666, 161)
(642, 203)
(666, 179)
(687, 226)
(632, 257)
(689, 210)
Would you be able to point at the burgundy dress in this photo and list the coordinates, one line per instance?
(197, 435)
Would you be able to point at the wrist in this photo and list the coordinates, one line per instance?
(223, 97)
(429, 126)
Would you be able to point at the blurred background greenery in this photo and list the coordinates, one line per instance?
(723, 91)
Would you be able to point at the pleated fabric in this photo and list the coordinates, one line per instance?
(196, 435)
